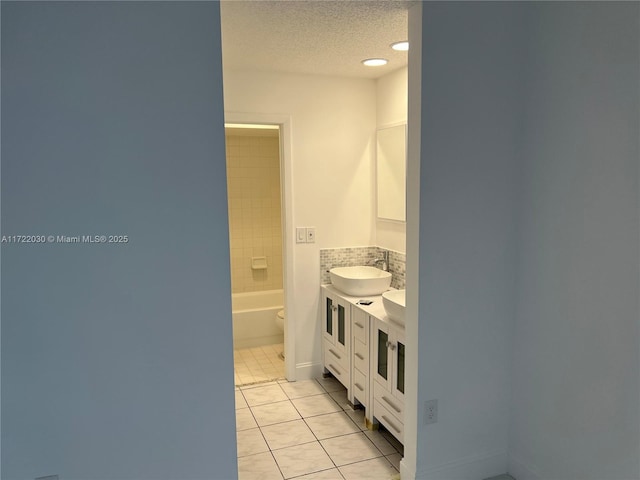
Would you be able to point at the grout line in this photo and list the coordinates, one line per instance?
(255, 365)
(317, 440)
(274, 459)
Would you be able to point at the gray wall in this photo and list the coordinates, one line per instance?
(471, 107)
(528, 240)
(116, 359)
(575, 380)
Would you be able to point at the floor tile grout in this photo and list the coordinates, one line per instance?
(379, 454)
(257, 365)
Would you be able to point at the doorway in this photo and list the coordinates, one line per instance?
(257, 219)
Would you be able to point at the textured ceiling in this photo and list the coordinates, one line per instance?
(318, 37)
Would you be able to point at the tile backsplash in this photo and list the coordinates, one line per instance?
(354, 256)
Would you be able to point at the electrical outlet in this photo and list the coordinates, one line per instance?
(430, 411)
(311, 235)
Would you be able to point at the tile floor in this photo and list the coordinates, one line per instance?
(258, 364)
(308, 430)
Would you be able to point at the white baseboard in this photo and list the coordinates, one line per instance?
(308, 371)
(520, 471)
(475, 467)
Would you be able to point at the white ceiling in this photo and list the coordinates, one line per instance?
(320, 37)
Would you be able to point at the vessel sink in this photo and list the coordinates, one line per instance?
(360, 281)
(394, 303)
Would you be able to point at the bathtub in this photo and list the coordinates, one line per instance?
(254, 316)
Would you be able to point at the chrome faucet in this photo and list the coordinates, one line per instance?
(384, 261)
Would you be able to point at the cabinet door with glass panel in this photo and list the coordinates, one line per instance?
(388, 357)
(336, 327)
(336, 320)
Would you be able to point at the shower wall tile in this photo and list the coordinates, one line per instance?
(354, 256)
(255, 230)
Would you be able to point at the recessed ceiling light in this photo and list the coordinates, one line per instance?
(400, 46)
(374, 62)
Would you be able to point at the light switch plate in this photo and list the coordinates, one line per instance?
(311, 235)
(301, 235)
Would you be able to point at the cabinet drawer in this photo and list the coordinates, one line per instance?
(360, 321)
(391, 403)
(335, 356)
(386, 418)
(337, 363)
(361, 356)
(361, 387)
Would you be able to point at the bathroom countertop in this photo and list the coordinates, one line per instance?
(376, 309)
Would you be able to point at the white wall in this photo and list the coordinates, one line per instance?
(391, 98)
(391, 109)
(413, 328)
(575, 355)
(463, 240)
(332, 154)
(117, 360)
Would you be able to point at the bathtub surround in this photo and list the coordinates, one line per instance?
(255, 225)
(254, 318)
(354, 256)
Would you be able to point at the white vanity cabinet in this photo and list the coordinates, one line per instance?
(388, 342)
(336, 336)
(364, 350)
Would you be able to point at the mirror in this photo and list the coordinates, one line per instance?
(391, 168)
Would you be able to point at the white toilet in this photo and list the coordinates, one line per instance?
(280, 324)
